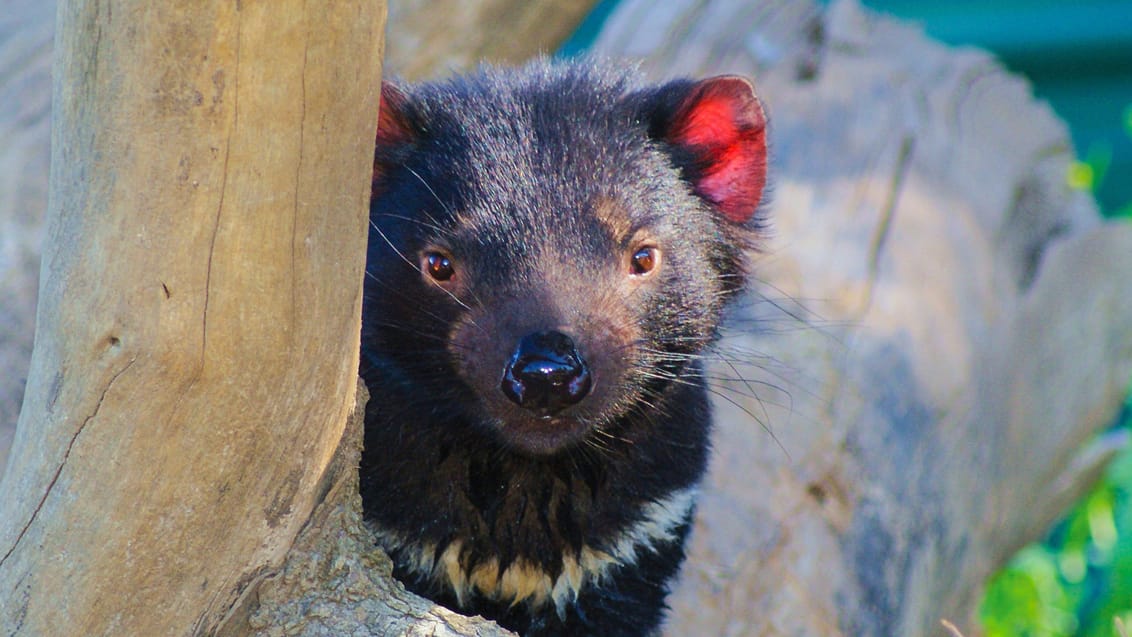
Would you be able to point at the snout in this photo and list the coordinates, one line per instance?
(546, 373)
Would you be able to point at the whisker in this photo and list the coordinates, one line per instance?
(415, 266)
(430, 190)
(431, 224)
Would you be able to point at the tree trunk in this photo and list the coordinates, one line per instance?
(427, 37)
(197, 334)
(941, 327)
(26, 32)
(434, 37)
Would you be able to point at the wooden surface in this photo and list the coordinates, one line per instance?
(274, 601)
(428, 38)
(335, 580)
(940, 329)
(196, 342)
(26, 32)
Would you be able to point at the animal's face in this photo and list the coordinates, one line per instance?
(549, 257)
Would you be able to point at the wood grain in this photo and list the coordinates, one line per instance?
(942, 326)
(430, 38)
(201, 280)
(912, 390)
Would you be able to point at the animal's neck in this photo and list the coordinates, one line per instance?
(473, 518)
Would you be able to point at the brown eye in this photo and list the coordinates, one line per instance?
(439, 266)
(644, 261)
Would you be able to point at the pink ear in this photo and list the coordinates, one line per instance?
(393, 128)
(391, 125)
(720, 123)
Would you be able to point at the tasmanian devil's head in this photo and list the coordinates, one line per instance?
(551, 247)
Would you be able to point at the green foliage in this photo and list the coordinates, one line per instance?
(1090, 173)
(1126, 210)
(1028, 599)
(1078, 580)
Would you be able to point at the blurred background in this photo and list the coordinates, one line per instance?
(1078, 57)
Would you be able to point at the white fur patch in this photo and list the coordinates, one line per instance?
(523, 581)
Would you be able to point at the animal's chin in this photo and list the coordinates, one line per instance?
(542, 435)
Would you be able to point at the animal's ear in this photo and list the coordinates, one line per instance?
(716, 130)
(393, 125)
(395, 131)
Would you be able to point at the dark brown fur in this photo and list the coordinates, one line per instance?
(554, 214)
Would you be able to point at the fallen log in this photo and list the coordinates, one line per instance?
(199, 310)
(942, 328)
(914, 386)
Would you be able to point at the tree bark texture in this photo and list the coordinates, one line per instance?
(940, 329)
(912, 391)
(428, 38)
(336, 581)
(26, 32)
(196, 342)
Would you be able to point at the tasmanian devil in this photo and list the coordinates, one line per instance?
(551, 249)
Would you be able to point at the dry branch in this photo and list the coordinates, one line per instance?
(194, 364)
(335, 580)
(942, 326)
(940, 329)
(439, 37)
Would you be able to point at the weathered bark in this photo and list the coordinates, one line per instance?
(941, 327)
(26, 30)
(277, 600)
(335, 581)
(197, 333)
(434, 37)
(425, 38)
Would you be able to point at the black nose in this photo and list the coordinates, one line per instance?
(546, 373)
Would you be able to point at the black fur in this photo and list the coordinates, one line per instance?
(539, 184)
